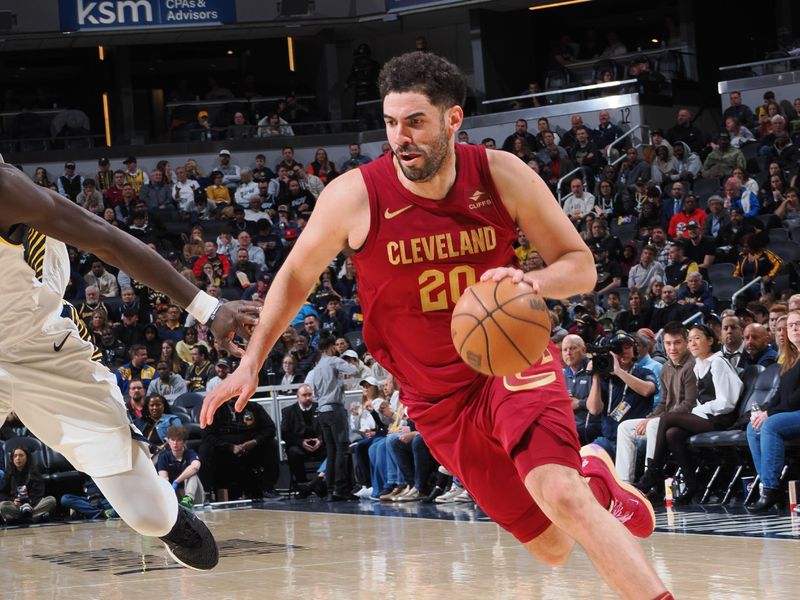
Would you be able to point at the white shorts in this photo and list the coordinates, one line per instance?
(69, 401)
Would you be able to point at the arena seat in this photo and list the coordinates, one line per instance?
(788, 250)
(729, 448)
(706, 185)
(188, 401)
(34, 447)
(719, 271)
(182, 413)
(60, 476)
(725, 287)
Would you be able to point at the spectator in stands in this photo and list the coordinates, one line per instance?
(22, 496)
(695, 294)
(322, 167)
(684, 131)
(698, 248)
(239, 129)
(579, 382)
(70, 183)
(717, 218)
(200, 370)
(412, 457)
(166, 383)
(739, 111)
(40, 177)
(306, 356)
(669, 311)
(739, 134)
(300, 201)
(570, 137)
(632, 169)
(274, 125)
(134, 175)
(679, 223)
(90, 198)
(723, 159)
(356, 155)
(136, 397)
(221, 371)
(218, 192)
(288, 373)
(521, 132)
(101, 279)
(641, 276)
(244, 272)
(733, 349)
(606, 133)
(172, 329)
(777, 128)
(687, 164)
(239, 448)
(784, 152)
(247, 189)
(579, 202)
(521, 150)
(679, 264)
(777, 422)
(219, 262)
(244, 241)
(190, 340)
(135, 370)
(756, 261)
(757, 350)
(678, 395)
(327, 389)
(608, 202)
(788, 211)
(201, 128)
(718, 388)
(231, 171)
(626, 393)
(312, 330)
(156, 418)
(302, 433)
(181, 467)
(155, 193)
(664, 166)
(609, 272)
(91, 505)
(585, 154)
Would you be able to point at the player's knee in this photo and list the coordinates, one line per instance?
(560, 493)
(553, 555)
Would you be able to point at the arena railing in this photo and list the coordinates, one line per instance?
(572, 90)
(762, 67)
(623, 137)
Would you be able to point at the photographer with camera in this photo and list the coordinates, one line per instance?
(621, 390)
(22, 496)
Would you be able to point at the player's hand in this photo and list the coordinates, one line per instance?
(516, 275)
(241, 383)
(238, 317)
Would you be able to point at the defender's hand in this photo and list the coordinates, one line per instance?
(242, 383)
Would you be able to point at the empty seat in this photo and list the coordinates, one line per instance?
(725, 287)
(787, 249)
(719, 270)
(778, 235)
(188, 401)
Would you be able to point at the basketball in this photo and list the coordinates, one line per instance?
(500, 328)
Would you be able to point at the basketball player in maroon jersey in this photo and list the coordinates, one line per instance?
(424, 222)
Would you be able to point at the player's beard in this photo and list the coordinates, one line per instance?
(431, 157)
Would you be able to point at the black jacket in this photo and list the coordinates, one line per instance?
(29, 477)
(230, 427)
(293, 426)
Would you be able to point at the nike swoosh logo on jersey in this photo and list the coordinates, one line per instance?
(388, 214)
(57, 347)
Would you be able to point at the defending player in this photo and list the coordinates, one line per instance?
(426, 221)
(49, 374)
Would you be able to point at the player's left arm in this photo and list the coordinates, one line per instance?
(570, 265)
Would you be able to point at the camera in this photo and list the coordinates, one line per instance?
(602, 361)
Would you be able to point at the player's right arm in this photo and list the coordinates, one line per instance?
(340, 219)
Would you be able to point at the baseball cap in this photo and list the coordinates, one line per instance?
(724, 135)
(265, 277)
(712, 318)
(369, 381)
(103, 162)
(622, 337)
(283, 208)
(350, 354)
(129, 311)
(69, 165)
(641, 180)
(598, 247)
(224, 152)
(657, 132)
(172, 256)
(715, 198)
(769, 94)
(202, 113)
(692, 224)
(130, 159)
(586, 321)
(223, 363)
(291, 234)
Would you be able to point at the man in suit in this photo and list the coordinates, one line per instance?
(673, 204)
(301, 431)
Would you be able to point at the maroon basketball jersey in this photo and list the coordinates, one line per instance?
(418, 258)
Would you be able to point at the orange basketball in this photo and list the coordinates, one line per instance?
(500, 328)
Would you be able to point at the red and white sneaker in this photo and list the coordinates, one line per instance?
(628, 505)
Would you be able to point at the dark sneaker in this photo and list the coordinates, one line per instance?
(190, 542)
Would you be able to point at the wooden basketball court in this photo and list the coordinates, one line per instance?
(316, 550)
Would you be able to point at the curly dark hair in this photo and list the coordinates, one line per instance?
(435, 77)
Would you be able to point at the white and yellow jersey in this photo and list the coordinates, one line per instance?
(35, 273)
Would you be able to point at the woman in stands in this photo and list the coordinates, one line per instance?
(170, 356)
(40, 177)
(168, 175)
(778, 421)
(755, 261)
(718, 389)
(156, 418)
(744, 180)
(788, 211)
(781, 337)
(322, 167)
(22, 496)
(636, 316)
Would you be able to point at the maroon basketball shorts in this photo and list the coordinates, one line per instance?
(493, 433)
